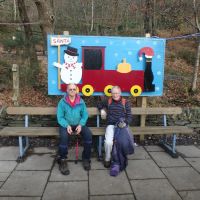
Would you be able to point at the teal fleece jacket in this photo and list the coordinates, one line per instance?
(68, 115)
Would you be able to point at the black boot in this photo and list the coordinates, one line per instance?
(63, 167)
(86, 164)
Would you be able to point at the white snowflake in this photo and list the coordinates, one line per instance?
(53, 51)
(53, 82)
(111, 42)
(157, 88)
(158, 56)
(115, 54)
(158, 73)
(123, 43)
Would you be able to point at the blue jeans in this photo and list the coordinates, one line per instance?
(85, 133)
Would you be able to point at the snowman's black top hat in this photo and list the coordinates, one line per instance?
(71, 51)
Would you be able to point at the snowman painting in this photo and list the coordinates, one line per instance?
(71, 70)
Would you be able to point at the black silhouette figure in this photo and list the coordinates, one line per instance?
(148, 77)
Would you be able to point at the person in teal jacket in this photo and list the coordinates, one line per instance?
(72, 116)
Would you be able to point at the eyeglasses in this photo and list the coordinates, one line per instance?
(115, 93)
(72, 89)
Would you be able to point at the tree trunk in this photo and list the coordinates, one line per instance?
(196, 69)
(32, 72)
(46, 17)
(147, 17)
(153, 17)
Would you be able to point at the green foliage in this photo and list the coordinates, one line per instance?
(15, 41)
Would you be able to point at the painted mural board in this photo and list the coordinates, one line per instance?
(96, 63)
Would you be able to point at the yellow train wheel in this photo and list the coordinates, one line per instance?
(87, 90)
(107, 90)
(136, 90)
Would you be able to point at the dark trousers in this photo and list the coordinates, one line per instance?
(64, 139)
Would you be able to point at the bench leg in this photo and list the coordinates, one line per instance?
(100, 148)
(22, 147)
(171, 149)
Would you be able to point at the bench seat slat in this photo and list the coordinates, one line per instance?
(53, 131)
(92, 111)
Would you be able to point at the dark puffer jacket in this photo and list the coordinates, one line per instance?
(116, 110)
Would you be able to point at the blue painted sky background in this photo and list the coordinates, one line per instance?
(116, 48)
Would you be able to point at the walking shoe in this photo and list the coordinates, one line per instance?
(107, 164)
(63, 167)
(86, 164)
(58, 160)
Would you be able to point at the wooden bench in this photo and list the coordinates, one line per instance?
(24, 132)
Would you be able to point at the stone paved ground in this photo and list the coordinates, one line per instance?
(151, 175)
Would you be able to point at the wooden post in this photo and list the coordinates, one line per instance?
(15, 98)
(58, 41)
(142, 102)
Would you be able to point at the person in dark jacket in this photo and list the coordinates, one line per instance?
(113, 109)
(72, 116)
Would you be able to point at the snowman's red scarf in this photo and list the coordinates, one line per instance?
(68, 65)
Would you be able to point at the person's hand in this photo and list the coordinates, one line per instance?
(121, 124)
(78, 129)
(103, 114)
(69, 129)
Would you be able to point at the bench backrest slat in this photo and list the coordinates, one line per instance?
(40, 111)
(31, 110)
(156, 111)
(92, 111)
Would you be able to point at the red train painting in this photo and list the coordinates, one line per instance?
(103, 80)
(96, 79)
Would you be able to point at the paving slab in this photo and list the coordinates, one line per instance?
(190, 195)
(37, 162)
(66, 190)
(183, 178)
(101, 183)
(7, 166)
(25, 183)
(140, 153)
(154, 189)
(195, 162)
(19, 198)
(153, 148)
(113, 197)
(1, 183)
(165, 160)
(143, 169)
(188, 151)
(76, 173)
(4, 176)
(44, 150)
(9, 153)
(96, 164)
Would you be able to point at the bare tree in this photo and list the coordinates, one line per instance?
(147, 16)
(46, 16)
(30, 47)
(196, 67)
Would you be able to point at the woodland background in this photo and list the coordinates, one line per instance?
(24, 25)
